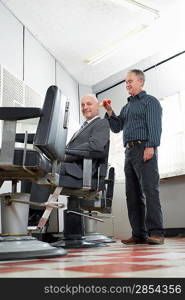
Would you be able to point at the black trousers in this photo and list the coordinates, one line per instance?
(142, 193)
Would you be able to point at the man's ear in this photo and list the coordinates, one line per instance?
(142, 82)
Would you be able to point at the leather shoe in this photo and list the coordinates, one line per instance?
(155, 240)
(133, 241)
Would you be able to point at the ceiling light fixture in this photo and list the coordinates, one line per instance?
(105, 53)
(137, 6)
(115, 46)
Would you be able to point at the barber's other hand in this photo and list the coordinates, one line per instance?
(106, 103)
(148, 153)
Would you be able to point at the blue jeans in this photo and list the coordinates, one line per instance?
(142, 193)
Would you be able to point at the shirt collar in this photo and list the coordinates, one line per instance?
(138, 96)
(88, 121)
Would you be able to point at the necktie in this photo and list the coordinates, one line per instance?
(83, 125)
(77, 132)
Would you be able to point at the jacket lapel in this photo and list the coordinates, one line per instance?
(82, 130)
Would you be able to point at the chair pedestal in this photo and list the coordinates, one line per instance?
(77, 243)
(15, 243)
(91, 233)
(74, 229)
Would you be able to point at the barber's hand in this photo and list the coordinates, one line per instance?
(106, 103)
(148, 153)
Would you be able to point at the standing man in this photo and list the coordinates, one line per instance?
(140, 120)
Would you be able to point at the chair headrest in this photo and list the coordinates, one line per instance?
(51, 132)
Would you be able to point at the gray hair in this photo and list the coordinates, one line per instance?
(93, 96)
(138, 73)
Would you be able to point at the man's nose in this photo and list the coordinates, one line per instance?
(85, 106)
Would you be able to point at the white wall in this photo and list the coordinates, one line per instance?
(69, 88)
(164, 80)
(172, 191)
(39, 65)
(11, 45)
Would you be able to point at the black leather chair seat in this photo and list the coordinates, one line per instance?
(71, 179)
(36, 162)
(75, 183)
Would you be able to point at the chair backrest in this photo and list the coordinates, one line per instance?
(51, 132)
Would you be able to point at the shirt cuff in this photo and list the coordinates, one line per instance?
(113, 116)
(149, 145)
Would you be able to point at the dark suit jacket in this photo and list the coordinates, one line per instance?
(90, 142)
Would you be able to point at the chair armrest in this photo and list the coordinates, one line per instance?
(19, 113)
(85, 154)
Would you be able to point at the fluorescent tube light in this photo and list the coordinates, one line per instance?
(105, 53)
(137, 6)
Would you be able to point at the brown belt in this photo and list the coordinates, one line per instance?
(133, 143)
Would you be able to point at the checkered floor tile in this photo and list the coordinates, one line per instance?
(114, 261)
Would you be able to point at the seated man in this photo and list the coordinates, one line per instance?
(93, 136)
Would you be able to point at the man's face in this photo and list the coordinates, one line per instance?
(89, 107)
(134, 84)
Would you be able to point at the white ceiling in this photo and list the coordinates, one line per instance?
(76, 30)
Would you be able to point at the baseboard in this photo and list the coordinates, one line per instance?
(172, 232)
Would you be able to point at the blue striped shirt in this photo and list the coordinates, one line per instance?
(140, 119)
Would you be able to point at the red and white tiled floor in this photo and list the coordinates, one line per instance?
(114, 261)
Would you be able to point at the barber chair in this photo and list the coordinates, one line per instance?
(39, 165)
(104, 206)
(85, 192)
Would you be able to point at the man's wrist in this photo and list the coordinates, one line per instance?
(109, 112)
